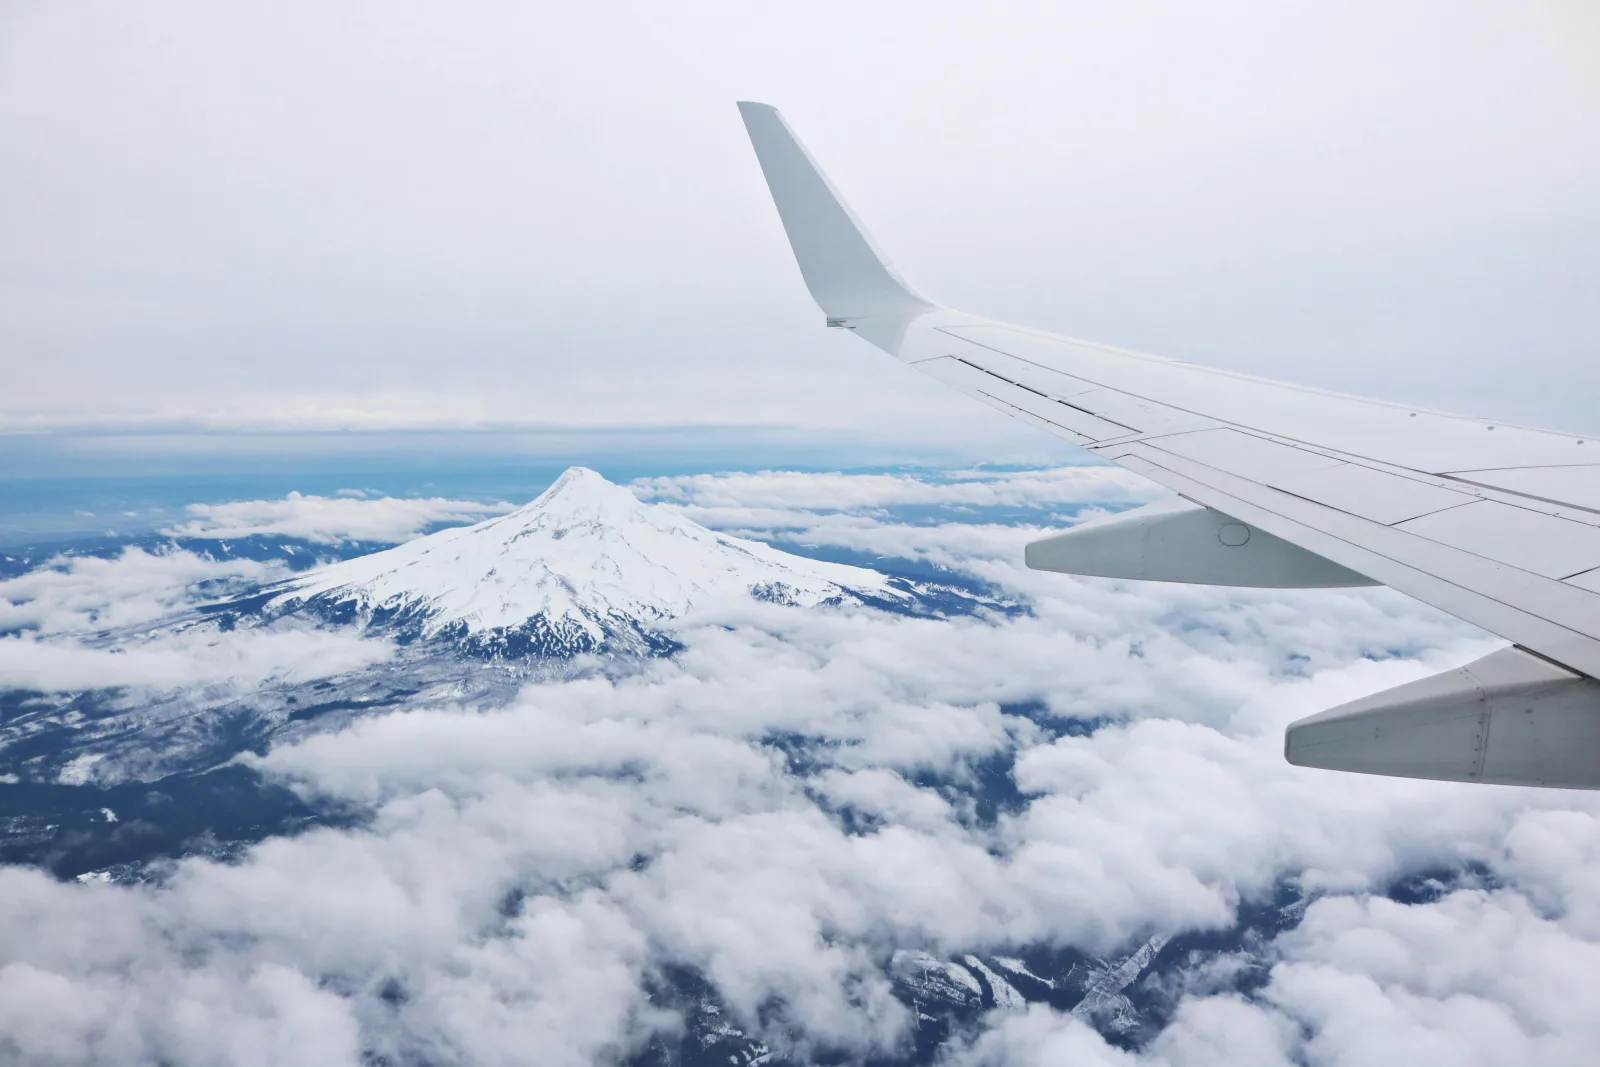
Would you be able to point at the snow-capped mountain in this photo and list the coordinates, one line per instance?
(584, 565)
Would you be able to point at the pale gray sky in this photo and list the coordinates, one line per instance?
(312, 215)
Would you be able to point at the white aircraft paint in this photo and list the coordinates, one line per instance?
(1496, 524)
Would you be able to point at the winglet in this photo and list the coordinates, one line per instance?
(848, 276)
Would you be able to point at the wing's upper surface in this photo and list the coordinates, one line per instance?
(1496, 524)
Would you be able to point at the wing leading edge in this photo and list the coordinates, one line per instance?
(1498, 525)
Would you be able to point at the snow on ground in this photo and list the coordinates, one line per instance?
(585, 550)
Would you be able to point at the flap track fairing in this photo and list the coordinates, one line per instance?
(1178, 541)
(1511, 718)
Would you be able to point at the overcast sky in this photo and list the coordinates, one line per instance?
(296, 215)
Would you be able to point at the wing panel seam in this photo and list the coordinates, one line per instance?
(1526, 496)
(1026, 415)
(1142, 461)
(1043, 396)
(1243, 428)
(1389, 525)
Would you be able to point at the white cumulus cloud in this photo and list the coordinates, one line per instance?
(85, 592)
(193, 657)
(330, 520)
(524, 873)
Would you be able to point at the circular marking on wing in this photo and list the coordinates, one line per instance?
(1233, 534)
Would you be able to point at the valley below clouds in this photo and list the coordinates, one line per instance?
(1040, 820)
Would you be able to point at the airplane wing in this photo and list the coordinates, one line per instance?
(1283, 486)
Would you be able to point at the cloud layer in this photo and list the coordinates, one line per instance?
(80, 623)
(72, 594)
(329, 520)
(527, 870)
(812, 492)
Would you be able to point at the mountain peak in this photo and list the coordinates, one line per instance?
(580, 499)
(575, 481)
(582, 563)
(578, 495)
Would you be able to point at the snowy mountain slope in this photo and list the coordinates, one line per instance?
(584, 564)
